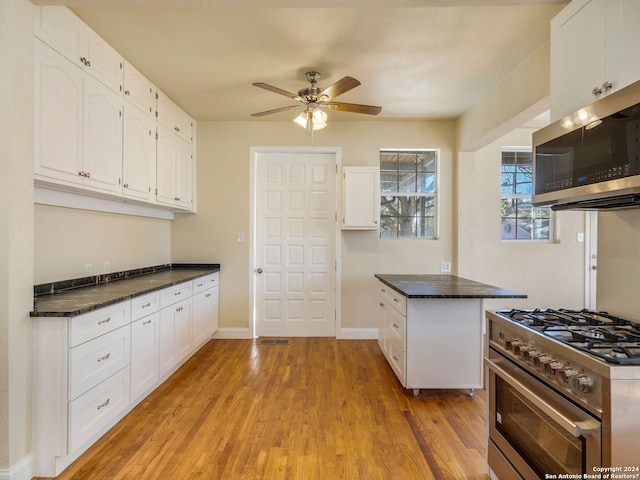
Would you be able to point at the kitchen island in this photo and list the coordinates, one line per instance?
(431, 329)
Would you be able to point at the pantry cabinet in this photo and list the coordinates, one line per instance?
(593, 52)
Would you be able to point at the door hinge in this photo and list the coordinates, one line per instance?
(157, 136)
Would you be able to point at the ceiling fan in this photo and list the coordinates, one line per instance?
(313, 99)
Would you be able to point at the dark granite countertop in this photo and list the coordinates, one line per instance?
(75, 297)
(444, 286)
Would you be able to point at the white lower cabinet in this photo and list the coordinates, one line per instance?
(432, 342)
(145, 355)
(92, 369)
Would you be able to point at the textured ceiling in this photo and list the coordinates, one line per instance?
(415, 58)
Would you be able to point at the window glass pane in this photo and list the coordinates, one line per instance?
(407, 181)
(426, 162)
(407, 217)
(407, 162)
(389, 206)
(388, 181)
(426, 182)
(508, 183)
(388, 162)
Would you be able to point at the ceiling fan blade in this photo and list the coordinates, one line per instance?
(271, 88)
(354, 107)
(275, 110)
(343, 85)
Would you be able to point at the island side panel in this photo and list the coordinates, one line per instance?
(444, 343)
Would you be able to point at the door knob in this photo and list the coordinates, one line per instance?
(258, 270)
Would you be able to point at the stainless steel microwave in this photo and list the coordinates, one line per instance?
(590, 160)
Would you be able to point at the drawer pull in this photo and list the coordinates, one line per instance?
(104, 357)
(104, 404)
(396, 358)
(177, 293)
(200, 284)
(396, 300)
(208, 295)
(147, 322)
(395, 325)
(179, 309)
(146, 305)
(106, 320)
(381, 304)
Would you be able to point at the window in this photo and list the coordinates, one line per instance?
(520, 219)
(408, 186)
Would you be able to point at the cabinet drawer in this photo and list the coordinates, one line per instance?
(397, 326)
(145, 305)
(393, 298)
(174, 294)
(94, 361)
(96, 409)
(93, 324)
(203, 283)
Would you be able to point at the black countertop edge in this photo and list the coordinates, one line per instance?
(443, 286)
(199, 270)
(64, 285)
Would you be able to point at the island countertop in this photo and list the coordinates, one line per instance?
(443, 286)
(75, 297)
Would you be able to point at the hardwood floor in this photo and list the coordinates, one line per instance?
(316, 409)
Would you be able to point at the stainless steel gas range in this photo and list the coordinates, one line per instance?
(564, 395)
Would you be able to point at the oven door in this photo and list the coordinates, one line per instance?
(538, 431)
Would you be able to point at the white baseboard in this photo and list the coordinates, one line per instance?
(358, 334)
(20, 471)
(233, 333)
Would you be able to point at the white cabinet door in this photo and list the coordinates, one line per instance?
(183, 326)
(167, 344)
(102, 137)
(360, 198)
(174, 176)
(173, 117)
(71, 37)
(205, 315)
(593, 52)
(145, 354)
(138, 155)
(138, 90)
(59, 108)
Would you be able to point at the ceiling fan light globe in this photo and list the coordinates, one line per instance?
(319, 116)
(319, 126)
(302, 119)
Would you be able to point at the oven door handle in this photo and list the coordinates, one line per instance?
(577, 429)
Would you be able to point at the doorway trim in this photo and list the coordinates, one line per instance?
(255, 152)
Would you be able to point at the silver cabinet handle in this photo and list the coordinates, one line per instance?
(106, 320)
(104, 404)
(104, 357)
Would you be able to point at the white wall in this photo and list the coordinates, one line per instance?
(125, 241)
(550, 273)
(223, 209)
(619, 263)
(16, 232)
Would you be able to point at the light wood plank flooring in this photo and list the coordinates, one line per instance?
(316, 409)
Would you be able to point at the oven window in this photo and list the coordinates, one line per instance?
(544, 444)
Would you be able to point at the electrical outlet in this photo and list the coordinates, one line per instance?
(445, 267)
(87, 269)
(107, 267)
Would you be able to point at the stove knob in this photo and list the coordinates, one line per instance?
(580, 383)
(538, 360)
(551, 367)
(513, 345)
(528, 355)
(566, 374)
(520, 349)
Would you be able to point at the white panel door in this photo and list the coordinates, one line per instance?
(295, 244)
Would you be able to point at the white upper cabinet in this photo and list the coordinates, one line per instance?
(173, 117)
(71, 37)
(174, 170)
(78, 125)
(138, 155)
(593, 52)
(138, 91)
(360, 198)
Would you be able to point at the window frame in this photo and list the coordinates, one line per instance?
(433, 195)
(523, 196)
